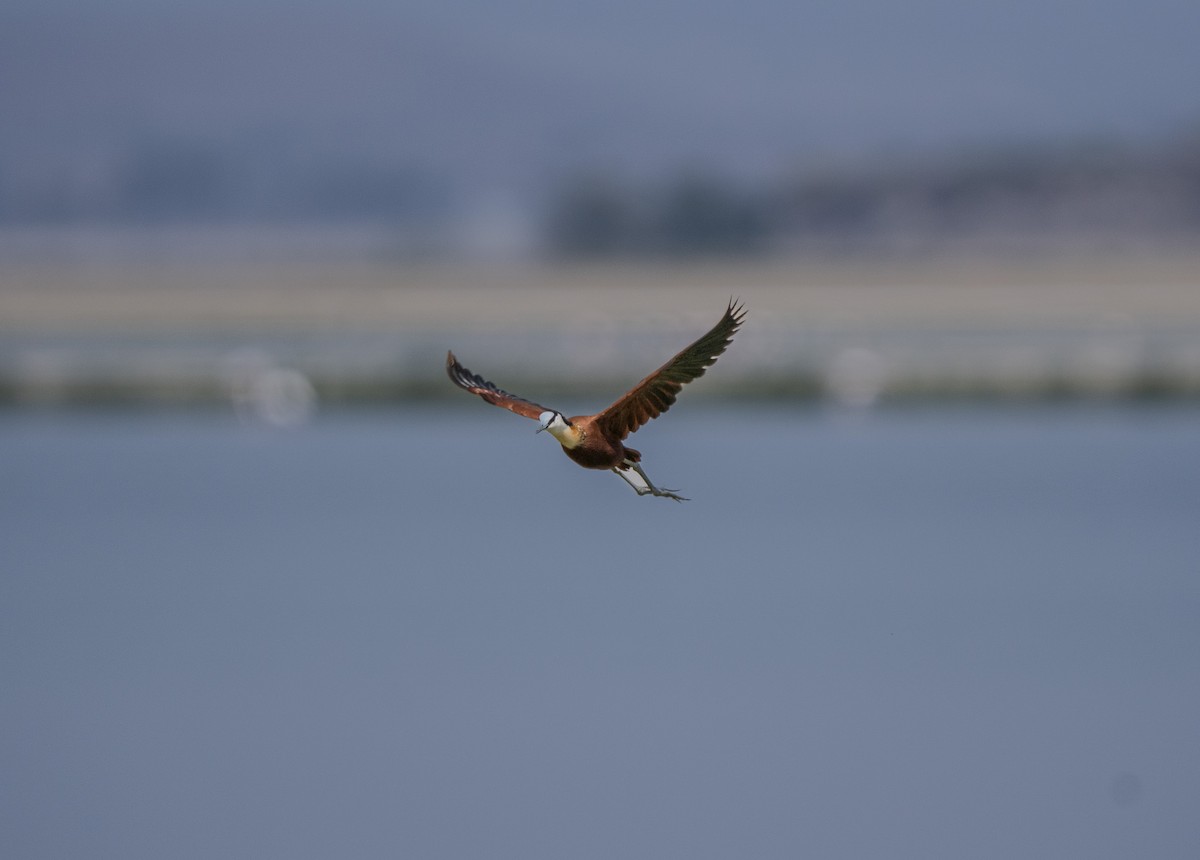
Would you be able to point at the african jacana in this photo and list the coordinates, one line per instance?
(595, 441)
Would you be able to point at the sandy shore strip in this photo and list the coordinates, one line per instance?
(1109, 325)
(1125, 289)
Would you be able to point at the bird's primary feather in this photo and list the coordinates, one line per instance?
(654, 395)
(464, 378)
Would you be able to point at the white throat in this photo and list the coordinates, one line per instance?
(566, 435)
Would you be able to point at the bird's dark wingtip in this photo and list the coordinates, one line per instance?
(736, 310)
(455, 370)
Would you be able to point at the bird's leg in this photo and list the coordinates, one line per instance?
(640, 489)
(657, 491)
(649, 488)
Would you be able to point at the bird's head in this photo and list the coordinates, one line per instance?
(552, 421)
(568, 435)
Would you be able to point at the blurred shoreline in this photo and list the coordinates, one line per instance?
(138, 331)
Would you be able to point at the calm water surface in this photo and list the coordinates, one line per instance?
(937, 633)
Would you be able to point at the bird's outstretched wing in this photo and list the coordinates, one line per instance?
(464, 378)
(654, 395)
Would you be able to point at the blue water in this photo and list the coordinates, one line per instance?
(930, 633)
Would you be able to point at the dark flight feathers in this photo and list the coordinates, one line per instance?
(647, 400)
(464, 378)
(654, 395)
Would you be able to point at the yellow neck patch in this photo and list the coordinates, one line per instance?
(568, 436)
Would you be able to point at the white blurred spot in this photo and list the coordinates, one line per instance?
(262, 391)
(1108, 364)
(856, 376)
(497, 228)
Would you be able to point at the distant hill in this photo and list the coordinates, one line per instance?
(471, 122)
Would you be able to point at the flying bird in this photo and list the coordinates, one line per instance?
(597, 441)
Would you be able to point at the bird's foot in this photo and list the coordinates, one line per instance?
(661, 493)
(645, 487)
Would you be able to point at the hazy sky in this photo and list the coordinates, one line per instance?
(510, 94)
